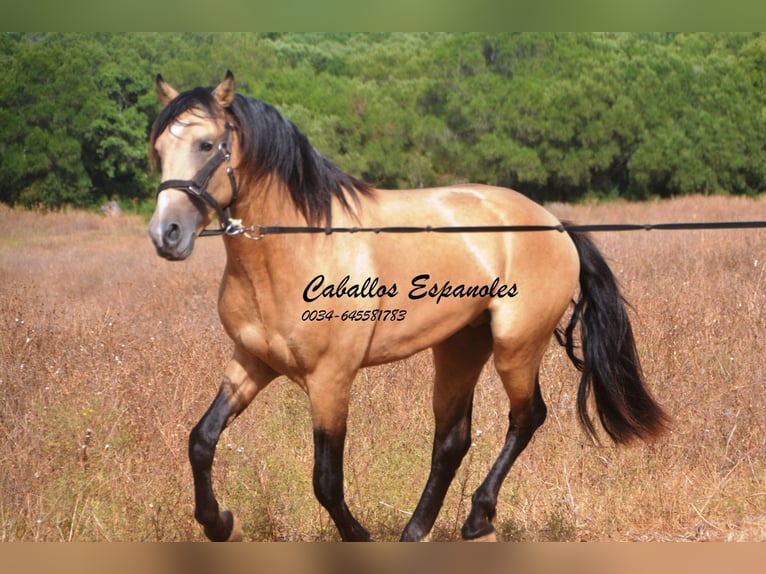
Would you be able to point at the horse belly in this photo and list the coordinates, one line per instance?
(388, 346)
(428, 312)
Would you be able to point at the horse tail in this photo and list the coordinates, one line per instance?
(610, 367)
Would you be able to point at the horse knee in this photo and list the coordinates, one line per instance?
(204, 436)
(328, 469)
(201, 448)
(328, 489)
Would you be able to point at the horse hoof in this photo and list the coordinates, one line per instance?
(491, 537)
(236, 531)
(228, 528)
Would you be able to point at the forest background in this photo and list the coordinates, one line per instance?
(559, 117)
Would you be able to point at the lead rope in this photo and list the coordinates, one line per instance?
(257, 232)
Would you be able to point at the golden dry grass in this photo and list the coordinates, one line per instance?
(109, 355)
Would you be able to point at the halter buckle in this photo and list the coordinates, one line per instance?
(194, 189)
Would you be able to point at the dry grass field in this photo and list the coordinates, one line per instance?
(109, 355)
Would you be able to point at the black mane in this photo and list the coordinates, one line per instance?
(273, 146)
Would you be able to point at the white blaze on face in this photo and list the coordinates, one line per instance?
(178, 127)
(163, 200)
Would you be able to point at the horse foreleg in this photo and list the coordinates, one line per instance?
(219, 526)
(328, 483)
(242, 382)
(329, 391)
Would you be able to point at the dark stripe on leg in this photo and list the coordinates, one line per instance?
(484, 500)
(328, 484)
(447, 455)
(202, 443)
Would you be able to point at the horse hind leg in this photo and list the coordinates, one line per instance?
(527, 414)
(458, 362)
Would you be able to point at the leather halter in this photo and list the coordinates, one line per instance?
(196, 187)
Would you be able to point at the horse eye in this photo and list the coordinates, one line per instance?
(205, 146)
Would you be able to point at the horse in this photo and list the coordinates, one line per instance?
(300, 299)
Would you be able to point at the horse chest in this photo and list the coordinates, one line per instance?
(256, 340)
(243, 320)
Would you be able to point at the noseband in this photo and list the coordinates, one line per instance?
(196, 186)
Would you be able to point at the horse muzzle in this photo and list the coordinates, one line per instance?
(174, 225)
(172, 240)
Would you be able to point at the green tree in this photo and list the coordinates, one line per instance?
(701, 130)
(44, 104)
(556, 116)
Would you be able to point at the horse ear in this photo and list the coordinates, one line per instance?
(224, 92)
(164, 91)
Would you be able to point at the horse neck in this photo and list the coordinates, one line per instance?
(267, 202)
(263, 203)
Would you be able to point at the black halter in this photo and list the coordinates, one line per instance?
(196, 186)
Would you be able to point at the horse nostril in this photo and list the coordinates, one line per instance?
(172, 234)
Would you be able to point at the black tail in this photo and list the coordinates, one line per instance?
(610, 366)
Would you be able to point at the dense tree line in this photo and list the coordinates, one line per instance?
(557, 116)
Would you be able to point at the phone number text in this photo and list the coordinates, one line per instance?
(354, 315)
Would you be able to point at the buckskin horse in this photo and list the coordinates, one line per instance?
(304, 296)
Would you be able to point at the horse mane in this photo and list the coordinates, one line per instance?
(273, 147)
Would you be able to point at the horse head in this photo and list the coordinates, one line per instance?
(194, 142)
